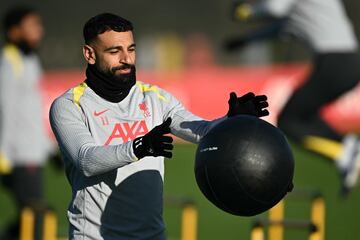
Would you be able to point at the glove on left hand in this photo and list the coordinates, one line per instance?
(249, 104)
(154, 143)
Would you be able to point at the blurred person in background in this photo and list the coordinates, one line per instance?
(24, 145)
(324, 27)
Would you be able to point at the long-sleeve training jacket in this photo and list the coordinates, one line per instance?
(114, 194)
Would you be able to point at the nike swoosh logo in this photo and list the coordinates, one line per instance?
(96, 114)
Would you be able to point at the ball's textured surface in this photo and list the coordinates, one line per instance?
(244, 165)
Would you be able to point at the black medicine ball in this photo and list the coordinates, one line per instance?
(244, 165)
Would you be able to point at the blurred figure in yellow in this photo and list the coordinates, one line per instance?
(24, 145)
(325, 28)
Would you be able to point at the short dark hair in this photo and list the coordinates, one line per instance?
(105, 22)
(14, 16)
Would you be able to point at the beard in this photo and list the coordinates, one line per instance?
(124, 78)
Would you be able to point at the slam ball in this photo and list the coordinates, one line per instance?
(244, 165)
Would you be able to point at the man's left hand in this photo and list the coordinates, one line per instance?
(249, 104)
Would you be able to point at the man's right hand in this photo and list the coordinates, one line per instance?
(154, 143)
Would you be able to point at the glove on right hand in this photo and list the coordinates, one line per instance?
(154, 143)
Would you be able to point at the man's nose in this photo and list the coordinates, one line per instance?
(126, 58)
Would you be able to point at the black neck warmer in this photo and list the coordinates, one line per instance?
(107, 87)
(24, 47)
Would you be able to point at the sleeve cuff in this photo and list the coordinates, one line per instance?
(132, 155)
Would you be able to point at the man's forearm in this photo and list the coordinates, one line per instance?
(95, 160)
(78, 145)
(190, 127)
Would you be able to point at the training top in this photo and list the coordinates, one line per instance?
(323, 24)
(23, 138)
(115, 195)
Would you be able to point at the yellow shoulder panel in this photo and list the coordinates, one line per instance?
(12, 54)
(145, 88)
(78, 91)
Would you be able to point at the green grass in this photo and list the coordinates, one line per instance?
(312, 172)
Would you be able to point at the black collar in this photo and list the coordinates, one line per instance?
(107, 87)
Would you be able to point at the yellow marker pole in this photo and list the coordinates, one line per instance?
(5, 166)
(318, 218)
(326, 147)
(50, 226)
(257, 233)
(276, 215)
(189, 223)
(27, 224)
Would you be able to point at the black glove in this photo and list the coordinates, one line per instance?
(154, 143)
(249, 104)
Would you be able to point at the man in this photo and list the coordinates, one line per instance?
(324, 27)
(24, 145)
(112, 129)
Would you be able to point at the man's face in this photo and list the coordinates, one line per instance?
(31, 30)
(115, 54)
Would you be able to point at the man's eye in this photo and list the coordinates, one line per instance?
(114, 52)
(132, 50)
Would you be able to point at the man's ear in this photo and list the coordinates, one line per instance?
(89, 54)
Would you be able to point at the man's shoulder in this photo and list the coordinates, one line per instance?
(10, 57)
(72, 95)
(64, 99)
(10, 53)
(76, 92)
(140, 85)
(151, 90)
